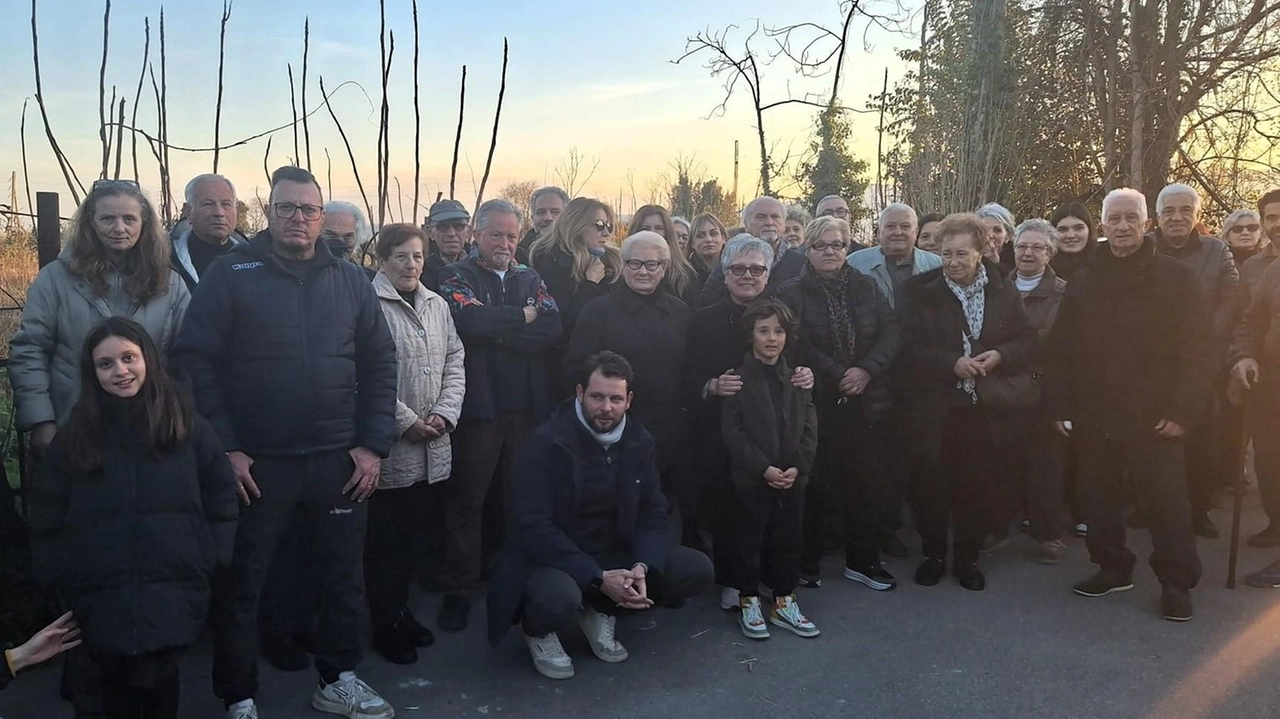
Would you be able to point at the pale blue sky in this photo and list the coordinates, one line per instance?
(596, 76)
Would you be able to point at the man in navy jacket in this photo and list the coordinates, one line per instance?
(291, 361)
(507, 320)
(589, 527)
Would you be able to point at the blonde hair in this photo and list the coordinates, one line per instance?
(566, 235)
(819, 227)
(680, 274)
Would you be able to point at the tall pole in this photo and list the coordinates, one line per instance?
(735, 174)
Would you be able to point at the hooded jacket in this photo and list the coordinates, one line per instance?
(180, 259)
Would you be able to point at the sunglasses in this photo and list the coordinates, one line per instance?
(742, 270)
(604, 226)
(114, 184)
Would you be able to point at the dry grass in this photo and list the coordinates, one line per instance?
(18, 267)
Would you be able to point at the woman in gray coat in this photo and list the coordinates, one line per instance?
(115, 263)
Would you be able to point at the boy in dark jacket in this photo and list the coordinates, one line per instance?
(770, 429)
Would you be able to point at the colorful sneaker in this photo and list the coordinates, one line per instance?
(751, 619)
(786, 614)
(599, 629)
(549, 657)
(352, 698)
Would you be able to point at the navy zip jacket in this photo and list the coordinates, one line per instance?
(283, 365)
(508, 368)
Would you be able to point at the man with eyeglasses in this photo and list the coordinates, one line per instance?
(835, 206)
(507, 321)
(291, 361)
(1177, 220)
(449, 228)
(545, 205)
(764, 218)
(210, 211)
(895, 258)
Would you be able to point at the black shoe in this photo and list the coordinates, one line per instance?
(1266, 578)
(875, 576)
(394, 645)
(1204, 527)
(1103, 583)
(453, 613)
(1175, 604)
(894, 547)
(930, 572)
(810, 581)
(1138, 520)
(413, 630)
(969, 576)
(283, 653)
(1267, 538)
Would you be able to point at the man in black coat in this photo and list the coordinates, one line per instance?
(1131, 362)
(589, 527)
(1178, 215)
(292, 363)
(763, 218)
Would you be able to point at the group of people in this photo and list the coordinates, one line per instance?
(600, 428)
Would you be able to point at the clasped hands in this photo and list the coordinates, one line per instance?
(627, 587)
(425, 430)
(781, 478)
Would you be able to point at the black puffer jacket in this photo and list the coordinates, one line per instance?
(1131, 346)
(275, 360)
(1219, 278)
(877, 336)
(932, 341)
(132, 551)
(556, 269)
(650, 331)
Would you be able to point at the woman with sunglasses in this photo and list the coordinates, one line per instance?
(680, 279)
(706, 240)
(576, 259)
(115, 263)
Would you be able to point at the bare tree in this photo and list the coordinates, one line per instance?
(497, 115)
(104, 134)
(519, 193)
(222, 57)
(457, 140)
(68, 172)
(575, 171)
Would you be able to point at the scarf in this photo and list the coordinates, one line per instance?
(836, 292)
(606, 440)
(973, 301)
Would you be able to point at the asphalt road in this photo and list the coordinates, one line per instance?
(1026, 647)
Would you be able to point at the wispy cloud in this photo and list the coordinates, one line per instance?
(603, 92)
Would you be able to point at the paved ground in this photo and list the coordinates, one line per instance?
(1026, 647)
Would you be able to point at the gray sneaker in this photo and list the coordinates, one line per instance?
(1266, 578)
(249, 712)
(1050, 552)
(549, 657)
(352, 698)
(599, 629)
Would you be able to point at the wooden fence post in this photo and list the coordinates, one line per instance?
(48, 227)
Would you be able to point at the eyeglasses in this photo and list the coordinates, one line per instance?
(1244, 228)
(114, 184)
(1031, 248)
(650, 265)
(841, 212)
(285, 210)
(604, 226)
(455, 225)
(824, 246)
(742, 270)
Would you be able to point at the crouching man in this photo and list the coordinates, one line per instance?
(589, 535)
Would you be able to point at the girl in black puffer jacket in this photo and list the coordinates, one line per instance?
(136, 512)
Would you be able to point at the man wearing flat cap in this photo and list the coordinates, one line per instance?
(449, 227)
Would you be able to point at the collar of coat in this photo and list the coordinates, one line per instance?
(570, 433)
(261, 247)
(1050, 285)
(933, 283)
(386, 290)
(473, 261)
(753, 366)
(633, 301)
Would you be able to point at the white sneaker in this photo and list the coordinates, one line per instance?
(549, 657)
(352, 698)
(243, 712)
(599, 629)
(728, 599)
(751, 619)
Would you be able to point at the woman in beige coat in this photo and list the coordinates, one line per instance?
(429, 395)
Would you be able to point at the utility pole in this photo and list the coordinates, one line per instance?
(735, 173)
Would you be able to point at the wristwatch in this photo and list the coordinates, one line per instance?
(597, 582)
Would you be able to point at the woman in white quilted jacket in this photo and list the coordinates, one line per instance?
(429, 393)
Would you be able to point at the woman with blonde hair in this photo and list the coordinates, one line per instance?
(706, 239)
(681, 280)
(576, 259)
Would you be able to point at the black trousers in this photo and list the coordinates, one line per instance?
(290, 596)
(767, 532)
(1040, 467)
(395, 540)
(485, 451)
(961, 488)
(140, 687)
(312, 485)
(1156, 473)
(1264, 425)
(552, 598)
(1202, 462)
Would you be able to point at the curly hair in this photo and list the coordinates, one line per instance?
(145, 267)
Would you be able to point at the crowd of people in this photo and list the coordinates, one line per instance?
(265, 435)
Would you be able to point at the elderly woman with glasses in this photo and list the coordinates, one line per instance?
(716, 344)
(964, 325)
(1242, 231)
(850, 336)
(648, 326)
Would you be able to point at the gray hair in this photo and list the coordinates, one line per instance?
(796, 213)
(747, 207)
(1175, 190)
(548, 190)
(744, 244)
(646, 238)
(364, 232)
(828, 197)
(1237, 217)
(994, 210)
(1041, 226)
(1125, 193)
(681, 221)
(189, 193)
(495, 206)
(898, 207)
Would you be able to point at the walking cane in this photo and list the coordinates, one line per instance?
(1237, 506)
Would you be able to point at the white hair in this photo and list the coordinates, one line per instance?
(1125, 193)
(364, 232)
(898, 207)
(495, 207)
(646, 238)
(1177, 189)
(189, 193)
(681, 221)
(1042, 226)
(745, 244)
(747, 208)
